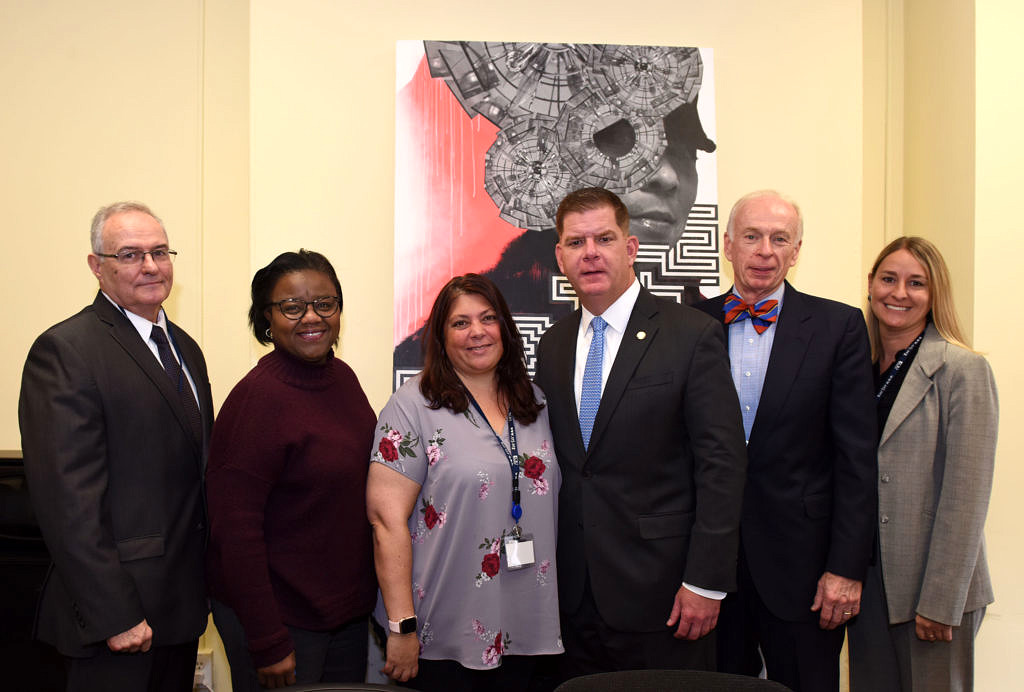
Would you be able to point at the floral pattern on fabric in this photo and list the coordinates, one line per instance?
(491, 562)
(435, 453)
(485, 485)
(542, 572)
(459, 521)
(497, 642)
(394, 444)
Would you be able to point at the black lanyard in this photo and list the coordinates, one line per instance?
(512, 456)
(898, 365)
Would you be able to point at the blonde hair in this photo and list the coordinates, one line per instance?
(940, 291)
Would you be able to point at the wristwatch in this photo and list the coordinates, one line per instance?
(403, 626)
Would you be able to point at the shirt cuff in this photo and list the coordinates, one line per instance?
(706, 593)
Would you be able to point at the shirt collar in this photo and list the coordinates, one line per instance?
(617, 314)
(141, 324)
(777, 294)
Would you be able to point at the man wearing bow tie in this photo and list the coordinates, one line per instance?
(648, 435)
(801, 368)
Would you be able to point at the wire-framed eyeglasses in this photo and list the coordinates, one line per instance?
(161, 255)
(294, 309)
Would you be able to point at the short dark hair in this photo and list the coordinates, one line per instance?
(588, 198)
(440, 384)
(265, 279)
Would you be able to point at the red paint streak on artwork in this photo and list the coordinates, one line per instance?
(445, 222)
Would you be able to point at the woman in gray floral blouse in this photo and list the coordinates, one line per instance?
(463, 499)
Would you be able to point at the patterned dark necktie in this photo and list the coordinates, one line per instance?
(761, 315)
(177, 375)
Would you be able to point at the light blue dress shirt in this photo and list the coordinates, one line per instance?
(748, 359)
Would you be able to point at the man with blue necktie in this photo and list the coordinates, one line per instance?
(802, 371)
(648, 435)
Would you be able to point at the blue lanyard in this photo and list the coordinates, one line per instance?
(512, 456)
(898, 365)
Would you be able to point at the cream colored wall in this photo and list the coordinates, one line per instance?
(256, 126)
(789, 102)
(938, 193)
(998, 247)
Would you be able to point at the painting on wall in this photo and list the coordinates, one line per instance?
(490, 136)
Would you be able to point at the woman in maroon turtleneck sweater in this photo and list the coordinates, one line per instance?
(289, 565)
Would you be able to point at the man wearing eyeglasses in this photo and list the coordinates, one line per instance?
(802, 372)
(115, 413)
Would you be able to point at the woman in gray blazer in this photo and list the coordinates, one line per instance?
(925, 597)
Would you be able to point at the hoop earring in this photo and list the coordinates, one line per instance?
(268, 333)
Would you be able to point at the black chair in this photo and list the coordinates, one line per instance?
(668, 681)
(344, 687)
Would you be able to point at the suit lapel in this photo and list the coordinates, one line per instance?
(125, 334)
(793, 334)
(631, 351)
(919, 380)
(564, 351)
(715, 308)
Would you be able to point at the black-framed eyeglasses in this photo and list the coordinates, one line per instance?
(294, 309)
(129, 257)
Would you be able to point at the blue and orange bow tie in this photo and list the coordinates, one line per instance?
(761, 315)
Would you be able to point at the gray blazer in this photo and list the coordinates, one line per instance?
(935, 463)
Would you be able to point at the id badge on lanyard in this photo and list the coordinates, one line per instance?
(518, 546)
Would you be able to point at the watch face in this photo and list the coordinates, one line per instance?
(407, 626)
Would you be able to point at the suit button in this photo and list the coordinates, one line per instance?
(586, 474)
(886, 478)
(579, 524)
(885, 518)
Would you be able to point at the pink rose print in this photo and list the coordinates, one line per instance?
(478, 628)
(394, 436)
(533, 467)
(387, 449)
(433, 454)
(490, 563)
(490, 657)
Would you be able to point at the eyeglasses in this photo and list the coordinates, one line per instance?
(295, 309)
(131, 257)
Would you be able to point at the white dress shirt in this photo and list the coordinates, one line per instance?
(144, 327)
(617, 317)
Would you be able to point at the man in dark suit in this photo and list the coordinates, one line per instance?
(647, 434)
(115, 412)
(802, 371)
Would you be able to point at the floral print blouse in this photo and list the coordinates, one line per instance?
(471, 608)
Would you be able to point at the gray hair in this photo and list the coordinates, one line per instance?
(104, 213)
(751, 196)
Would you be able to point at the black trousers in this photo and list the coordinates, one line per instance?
(592, 646)
(800, 655)
(161, 669)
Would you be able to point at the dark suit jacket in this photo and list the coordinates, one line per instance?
(811, 492)
(656, 500)
(115, 476)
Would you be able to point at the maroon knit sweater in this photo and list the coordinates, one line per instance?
(286, 486)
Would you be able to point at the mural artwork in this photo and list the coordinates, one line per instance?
(490, 136)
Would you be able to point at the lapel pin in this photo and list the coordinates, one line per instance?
(641, 335)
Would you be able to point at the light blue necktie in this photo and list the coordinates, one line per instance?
(590, 397)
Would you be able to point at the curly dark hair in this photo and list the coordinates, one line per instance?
(440, 384)
(265, 279)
